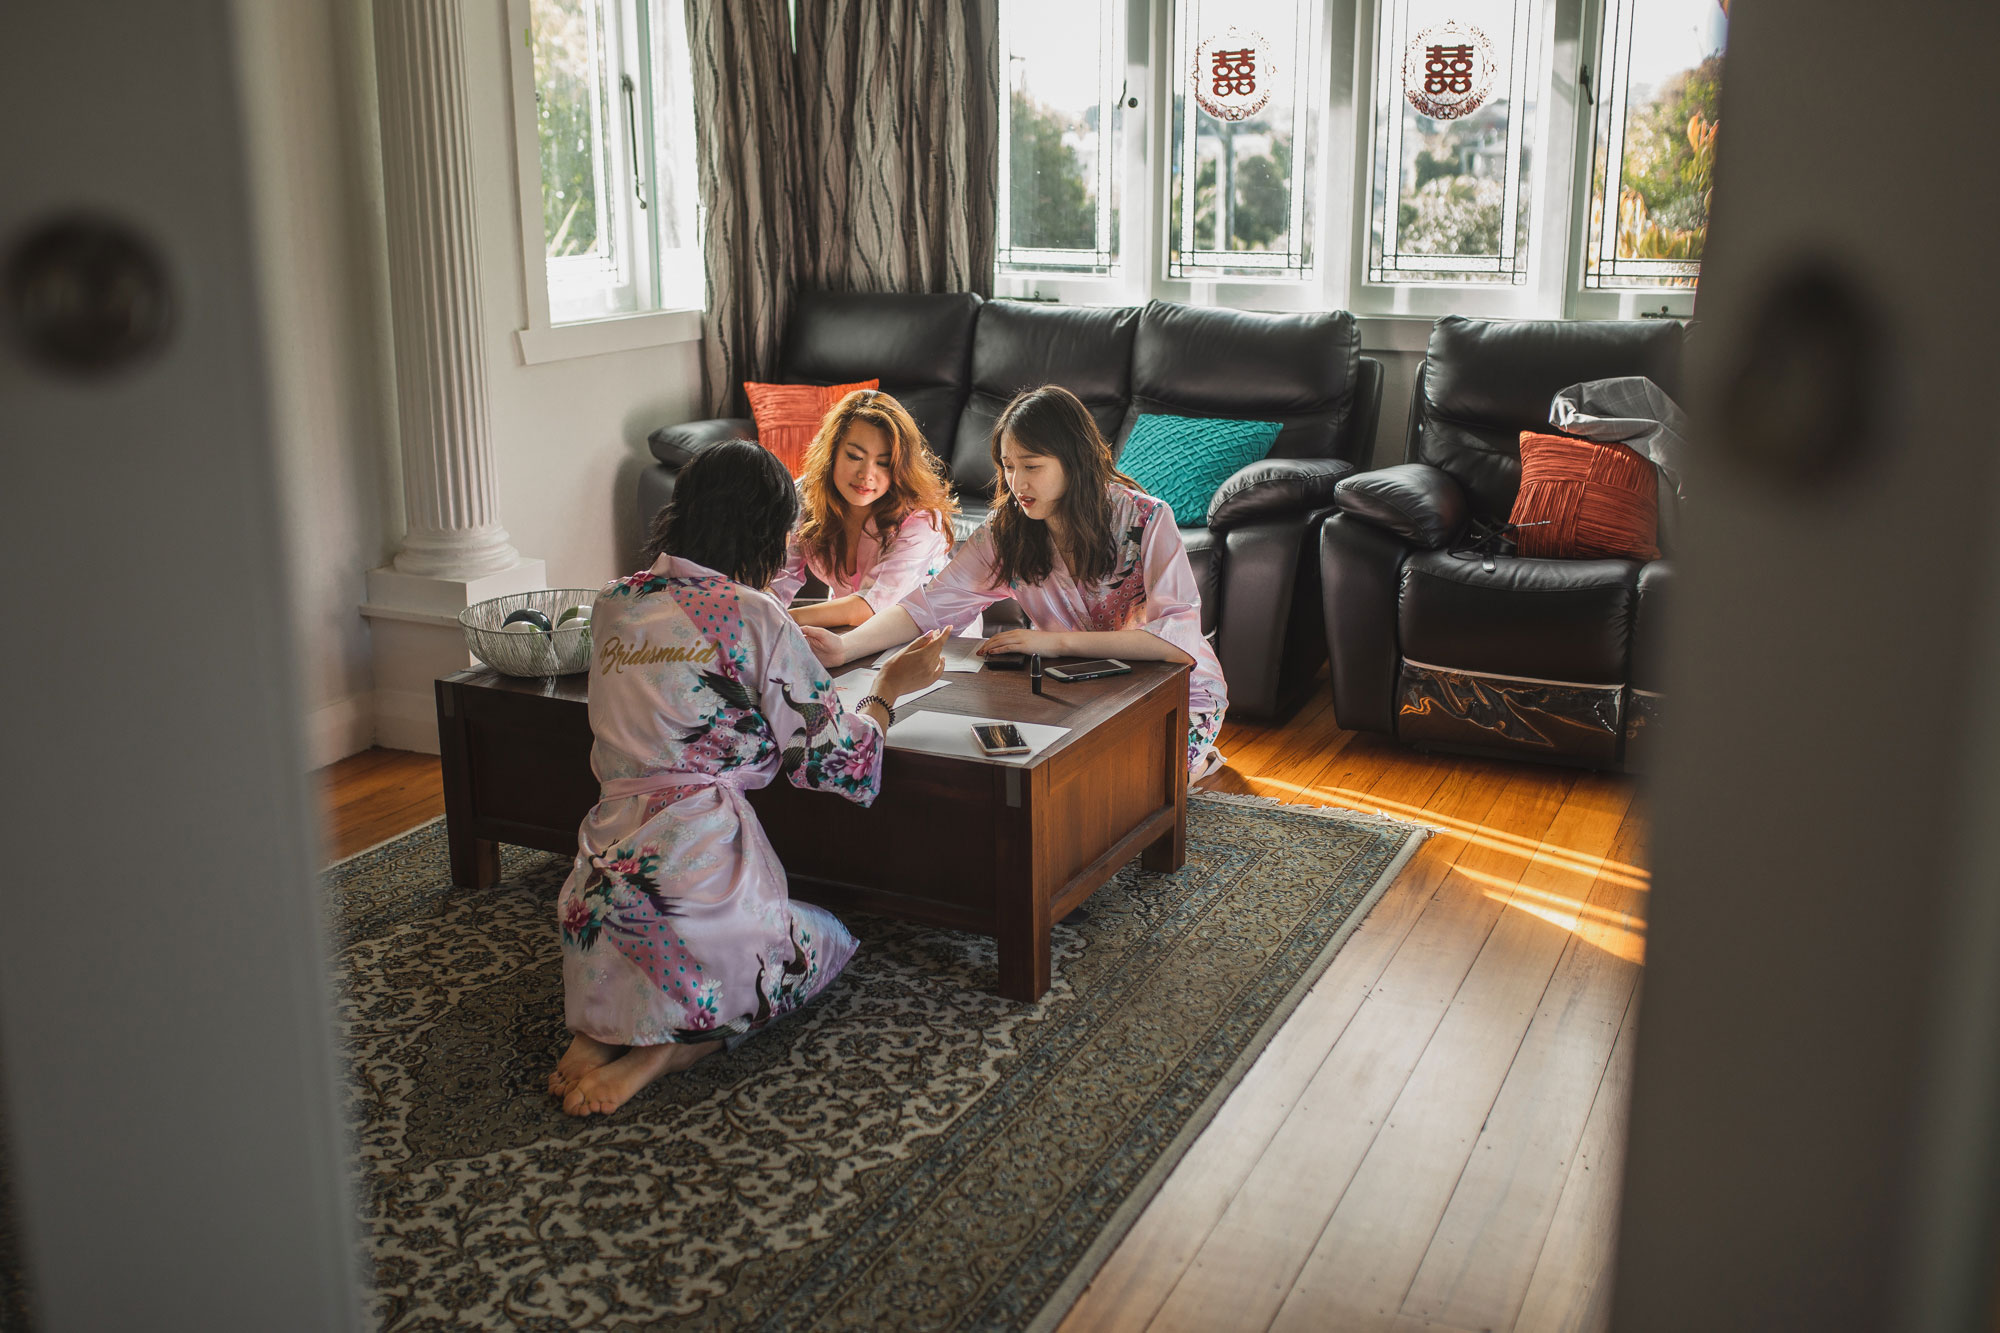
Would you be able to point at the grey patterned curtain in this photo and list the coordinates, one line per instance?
(748, 168)
(900, 120)
(868, 162)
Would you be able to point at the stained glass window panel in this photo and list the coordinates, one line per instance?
(1060, 114)
(1455, 115)
(1658, 87)
(1241, 183)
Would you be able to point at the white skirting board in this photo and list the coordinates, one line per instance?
(406, 720)
(339, 729)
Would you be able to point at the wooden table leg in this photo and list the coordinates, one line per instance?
(1024, 951)
(475, 862)
(1022, 912)
(1168, 852)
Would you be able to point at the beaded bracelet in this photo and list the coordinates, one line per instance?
(887, 707)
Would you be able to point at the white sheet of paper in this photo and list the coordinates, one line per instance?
(853, 687)
(960, 654)
(951, 733)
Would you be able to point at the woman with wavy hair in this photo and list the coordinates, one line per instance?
(875, 514)
(678, 934)
(1097, 564)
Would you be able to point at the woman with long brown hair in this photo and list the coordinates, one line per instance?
(1096, 563)
(875, 515)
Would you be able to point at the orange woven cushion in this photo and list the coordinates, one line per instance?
(1599, 500)
(789, 415)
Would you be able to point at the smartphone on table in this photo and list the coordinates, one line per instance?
(999, 738)
(1091, 670)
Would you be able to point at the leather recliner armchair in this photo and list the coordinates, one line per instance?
(1442, 647)
(954, 361)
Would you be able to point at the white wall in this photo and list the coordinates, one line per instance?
(322, 272)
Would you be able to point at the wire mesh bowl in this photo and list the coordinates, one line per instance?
(557, 652)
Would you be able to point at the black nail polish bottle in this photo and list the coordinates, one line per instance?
(1035, 672)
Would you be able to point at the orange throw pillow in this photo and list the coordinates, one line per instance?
(789, 415)
(1600, 501)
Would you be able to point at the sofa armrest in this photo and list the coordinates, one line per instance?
(676, 446)
(1276, 488)
(1423, 505)
(1360, 578)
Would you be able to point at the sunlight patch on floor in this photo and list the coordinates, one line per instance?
(1620, 942)
(1480, 835)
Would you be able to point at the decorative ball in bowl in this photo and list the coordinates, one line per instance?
(545, 633)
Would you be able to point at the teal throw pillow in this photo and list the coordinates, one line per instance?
(1185, 460)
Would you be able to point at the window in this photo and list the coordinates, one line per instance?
(1660, 80)
(1241, 182)
(1060, 116)
(1523, 158)
(606, 152)
(1455, 123)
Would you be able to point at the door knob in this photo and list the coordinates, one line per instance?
(85, 295)
(1803, 405)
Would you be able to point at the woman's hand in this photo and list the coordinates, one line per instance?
(828, 647)
(912, 667)
(1046, 642)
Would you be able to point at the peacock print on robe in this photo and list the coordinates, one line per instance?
(675, 921)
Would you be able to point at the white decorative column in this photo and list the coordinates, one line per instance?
(455, 551)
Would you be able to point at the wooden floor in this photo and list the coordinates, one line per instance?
(1433, 1140)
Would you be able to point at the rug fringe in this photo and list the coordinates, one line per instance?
(1324, 811)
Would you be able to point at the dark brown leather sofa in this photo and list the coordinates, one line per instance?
(955, 360)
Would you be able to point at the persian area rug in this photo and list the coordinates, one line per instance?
(910, 1151)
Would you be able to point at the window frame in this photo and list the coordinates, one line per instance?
(543, 339)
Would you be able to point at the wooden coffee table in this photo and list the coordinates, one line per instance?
(1002, 849)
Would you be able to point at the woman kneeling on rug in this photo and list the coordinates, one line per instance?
(875, 520)
(677, 931)
(1096, 563)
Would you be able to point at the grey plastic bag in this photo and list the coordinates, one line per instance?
(1635, 412)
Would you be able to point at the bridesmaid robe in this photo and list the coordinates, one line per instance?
(675, 920)
(1151, 588)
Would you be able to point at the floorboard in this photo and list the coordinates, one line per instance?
(1434, 1139)
(1244, 1270)
(1372, 1246)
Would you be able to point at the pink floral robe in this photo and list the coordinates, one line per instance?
(883, 575)
(1151, 588)
(676, 924)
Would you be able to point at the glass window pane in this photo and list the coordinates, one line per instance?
(1658, 87)
(1456, 97)
(1060, 114)
(1240, 182)
(571, 114)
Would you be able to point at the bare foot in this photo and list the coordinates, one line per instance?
(584, 1054)
(603, 1090)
